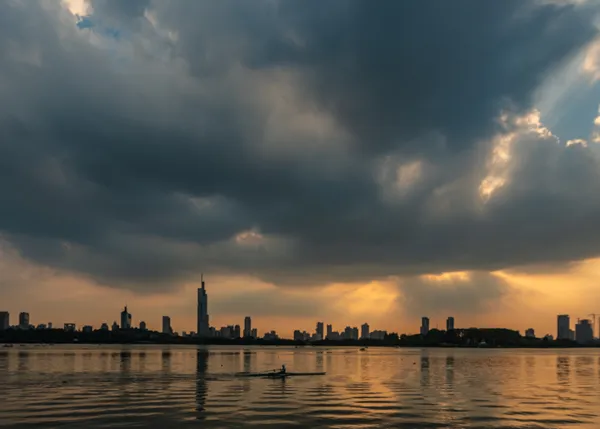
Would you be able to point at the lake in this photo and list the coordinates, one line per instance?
(186, 386)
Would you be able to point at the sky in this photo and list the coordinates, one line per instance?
(345, 161)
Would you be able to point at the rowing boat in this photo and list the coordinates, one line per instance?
(277, 374)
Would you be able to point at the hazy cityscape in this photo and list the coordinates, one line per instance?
(583, 333)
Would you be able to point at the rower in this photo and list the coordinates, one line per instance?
(283, 369)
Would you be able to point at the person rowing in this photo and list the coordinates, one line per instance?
(282, 369)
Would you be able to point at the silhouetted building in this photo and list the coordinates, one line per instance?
(226, 331)
(247, 327)
(299, 335)
(4, 320)
(378, 335)
(571, 335)
(115, 326)
(203, 327)
(450, 324)
(320, 330)
(424, 326)
(355, 333)
(166, 325)
(49, 325)
(87, 329)
(69, 327)
(254, 333)
(24, 320)
(530, 333)
(563, 328)
(125, 319)
(584, 333)
(41, 327)
(142, 326)
(329, 331)
(237, 332)
(364, 331)
(212, 331)
(271, 336)
(347, 335)
(104, 326)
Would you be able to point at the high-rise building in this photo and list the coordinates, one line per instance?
(254, 333)
(320, 330)
(166, 325)
(115, 326)
(247, 327)
(424, 325)
(203, 328)
(564, 326)
(347, 334)
(584, 333)
(104, 326)
(142, 326)
(88, 329)
(49, 325)
(125, 319)
(24, 320)
(364, 331)
(355, 333)
(69, 327)
(530, 333)
(4, 320)
(378, 335)
(226, 331)
(329, 332)
(237, 331)
(450, 324)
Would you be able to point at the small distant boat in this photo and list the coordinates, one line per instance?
(277, 374)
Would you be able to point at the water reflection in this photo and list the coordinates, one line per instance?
(166, 360)
(201, 383)
(23, 361)
(449, 372)
(563, 369)
(425, 375)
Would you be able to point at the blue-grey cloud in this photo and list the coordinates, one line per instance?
(138, 161)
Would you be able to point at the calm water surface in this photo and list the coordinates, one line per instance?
(179, 386)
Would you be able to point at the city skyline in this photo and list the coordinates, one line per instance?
(584, 329)
(308, 174)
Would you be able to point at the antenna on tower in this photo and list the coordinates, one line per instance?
(202, 279)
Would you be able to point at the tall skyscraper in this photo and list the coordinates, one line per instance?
(450, 324)
(203, 326)
(564, 327)
(584, 333)
(254, 333)
(4, 320)
(166, 325)
(247, 327)
(24, 320)
(320, 329)
(329, 331)
(424, 325)
(125, 319)
(237, 331)
(364, 331)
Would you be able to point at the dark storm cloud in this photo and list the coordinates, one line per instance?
(479, 293)
(138, 161)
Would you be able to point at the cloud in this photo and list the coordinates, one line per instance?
(302, 144)
(465, 293)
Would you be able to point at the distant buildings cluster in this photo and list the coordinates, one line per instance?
(349, 333)
(583, 332)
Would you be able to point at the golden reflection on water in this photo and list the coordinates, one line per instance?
(163, 386)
